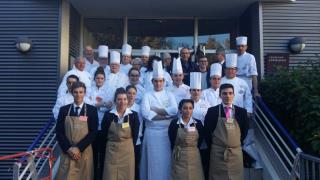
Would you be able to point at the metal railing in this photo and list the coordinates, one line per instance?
(284, 154)
(37, 167)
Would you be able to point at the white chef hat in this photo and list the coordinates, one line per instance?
(195, 80)
(176, 66)
(114, 57)
(241, 40)
(215, 69)
(157, 69)
(231, 60)
(145, 51)
(103, 51)
(126, 50)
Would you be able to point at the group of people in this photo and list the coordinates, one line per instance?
(153, 118)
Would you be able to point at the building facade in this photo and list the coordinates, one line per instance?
(60, 29)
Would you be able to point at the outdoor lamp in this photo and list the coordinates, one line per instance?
(297, 44)
(23, 44)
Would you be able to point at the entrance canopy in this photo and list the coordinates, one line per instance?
(161, 8)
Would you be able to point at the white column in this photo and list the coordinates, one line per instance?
(125, 30)
(195, 36)
(64, 38)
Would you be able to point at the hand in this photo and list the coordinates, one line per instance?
(74, 153)
(256, 94)
(108, 104)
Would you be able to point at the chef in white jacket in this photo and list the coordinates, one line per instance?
(145, 54)
(115, 78)
(243, 97)
(103, 51)
(200, 105)
(79, 71)
(211, 95)
(158, 109)
(125, 65)
(246, 64)
(178, 88)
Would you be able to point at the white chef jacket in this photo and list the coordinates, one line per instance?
(124, 68)
(135, 107)
(243, 96)
(211, 96)
(65, 100)
(200, 110)
(147, 80)
(181, 92)
(247, 67)
(83, 76)
(90, 66)
(116, 80)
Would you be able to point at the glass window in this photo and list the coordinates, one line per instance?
(160, 33)
(215, 33)
(106, 31)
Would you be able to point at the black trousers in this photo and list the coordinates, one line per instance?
(99, 147)
(205, 159)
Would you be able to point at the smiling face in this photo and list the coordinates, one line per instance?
(80, 64)
(134, 76)
(186, 110)
(195, 94)
(231, 72)
(126, 59)
(177, 79)
(122, 101)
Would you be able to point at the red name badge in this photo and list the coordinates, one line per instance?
(83, 118)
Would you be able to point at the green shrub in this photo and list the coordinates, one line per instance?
(294, 97)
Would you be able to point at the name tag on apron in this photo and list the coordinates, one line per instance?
(125, 125)
(230, 120)
(191, 129)
(83, 118)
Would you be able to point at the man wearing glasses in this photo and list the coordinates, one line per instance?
(187, 65)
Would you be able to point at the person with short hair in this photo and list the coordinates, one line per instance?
(134, 80)
(187, 65)
(205, 71)
(148, 74)
(186, 136)
(103, 59)
(226, 126)
(91, 63)
(158, 109)
(120, 127)
(115, 78)
(242, 93)
(246, 65)
(166, 61)
(211, 94)
(178, 88)
(76, 129)
(126, 65)
(79, 71)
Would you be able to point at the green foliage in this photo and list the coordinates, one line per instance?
(294, 96)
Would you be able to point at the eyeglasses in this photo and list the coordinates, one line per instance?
(134, 75)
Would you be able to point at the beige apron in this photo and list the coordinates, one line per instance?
(226, 154)
(186, 160)
(119, 159)
(81, 169)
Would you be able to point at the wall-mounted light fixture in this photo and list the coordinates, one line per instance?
(297, 44)
(23, 44)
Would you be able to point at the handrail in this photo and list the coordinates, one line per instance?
(38, 138)
(279, 125)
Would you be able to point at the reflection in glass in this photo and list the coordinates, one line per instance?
(160, 33)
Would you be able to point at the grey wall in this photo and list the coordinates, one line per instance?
(283, 21)
(28, 81)
(249, 26)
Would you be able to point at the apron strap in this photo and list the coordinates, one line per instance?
(69, 110)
